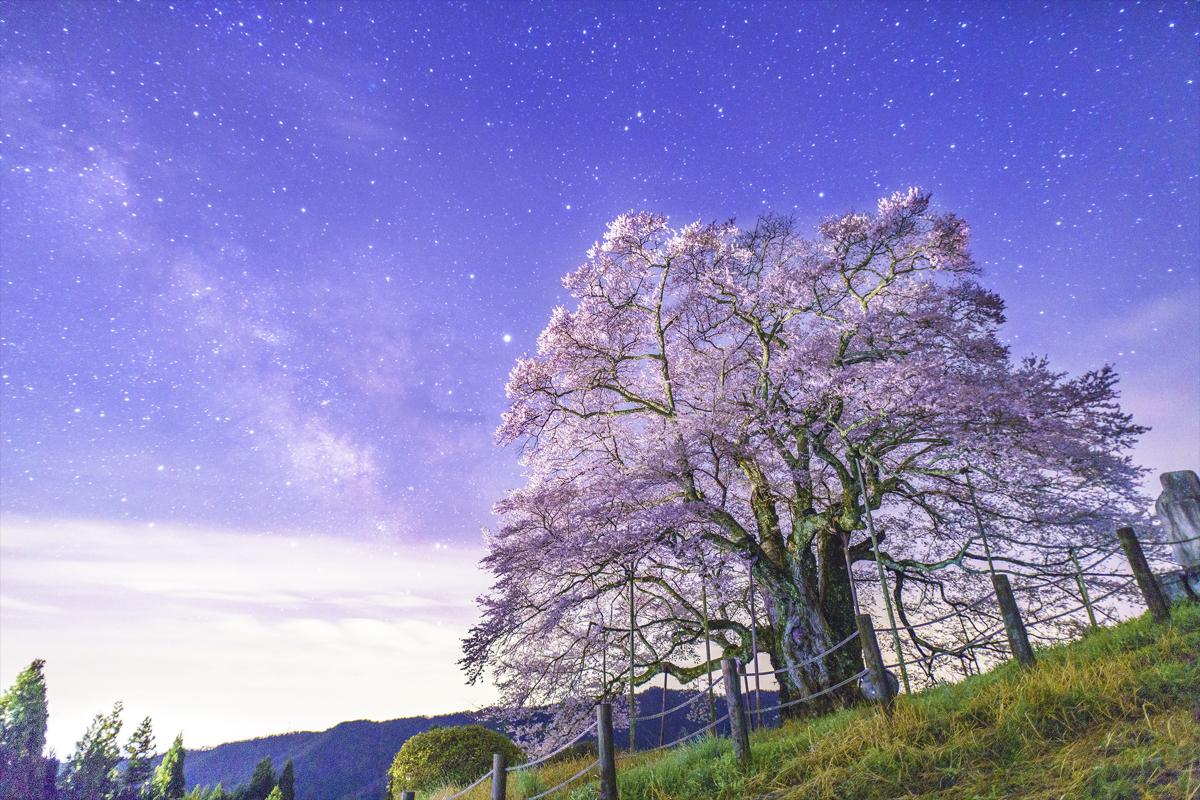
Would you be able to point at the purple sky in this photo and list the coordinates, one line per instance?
(266, 267)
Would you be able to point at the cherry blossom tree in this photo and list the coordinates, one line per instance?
(742, 397)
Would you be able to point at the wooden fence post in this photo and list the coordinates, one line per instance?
(499, 775)
(874, 659)
(608, 757)
(1083, 592)
(1145, 578)
(737, 712)
(1014, 626)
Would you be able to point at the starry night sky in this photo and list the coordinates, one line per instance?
(266, 267)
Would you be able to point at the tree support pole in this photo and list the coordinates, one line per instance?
(874, 659)
(1083, 592)
(887, 595)
(607, 753)
(1146, 581)
(1014, 626)
(712, 701)
(662, 718)
(737, 712)
(632, 688)
(754, 648)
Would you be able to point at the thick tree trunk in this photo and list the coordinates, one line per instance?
(808, 617)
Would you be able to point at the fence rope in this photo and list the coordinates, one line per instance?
(701, 694)
(571, 779)
(1095, 600)
(1168, 542)
(586, 731)
(808, 697)
(710, 726)
(480, 780)
(808, 660)
(985, 638)
(992, 635)
(927, 623)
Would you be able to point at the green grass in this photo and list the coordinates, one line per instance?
(1115, 716)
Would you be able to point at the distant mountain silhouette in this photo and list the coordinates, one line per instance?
(350, 760)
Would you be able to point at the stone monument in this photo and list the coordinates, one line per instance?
(1178, 508)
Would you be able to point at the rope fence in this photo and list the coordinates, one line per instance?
(882, 684)
(567, 782)
(583, 734)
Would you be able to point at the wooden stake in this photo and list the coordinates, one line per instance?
(874, 659)
(608, 758)
(737, 712)
(499, 775)
(1146, 581)
(1014, 626)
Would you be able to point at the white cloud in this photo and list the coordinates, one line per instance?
(228, 635)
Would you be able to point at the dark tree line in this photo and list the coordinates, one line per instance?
(101, 767)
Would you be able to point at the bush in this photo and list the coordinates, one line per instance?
(441, 756)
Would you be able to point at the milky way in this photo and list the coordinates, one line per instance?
(266, 267)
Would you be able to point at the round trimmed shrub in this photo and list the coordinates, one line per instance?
(443, 756)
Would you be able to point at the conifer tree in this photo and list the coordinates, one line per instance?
(139, 761)
(275, 794)
(23, 716)
(262, 781)
(91, 772)
(168, 782)
(287, 781)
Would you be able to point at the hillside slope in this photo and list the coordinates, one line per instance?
(1115, 715)
(350, 761)
(346, 762)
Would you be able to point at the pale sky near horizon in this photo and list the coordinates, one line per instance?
(229, 635)
(266, 266)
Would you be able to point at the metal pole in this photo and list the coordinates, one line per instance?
(746, 691)
(499, 775)
(737, 713)
(754, 647)
(632, 688)
(970, 650)
(604, 655)
(1083, 592)
(607, 754)
(987, 548)
(662, 713)
(850, 571)
(712, 701)
(887, 595)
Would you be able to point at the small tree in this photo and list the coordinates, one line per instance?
(168, 782)
(287, 781)
(443, 756)
(23, 716)
(91, 772)
(275, 794)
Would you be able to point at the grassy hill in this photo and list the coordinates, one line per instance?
(1116, 715)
